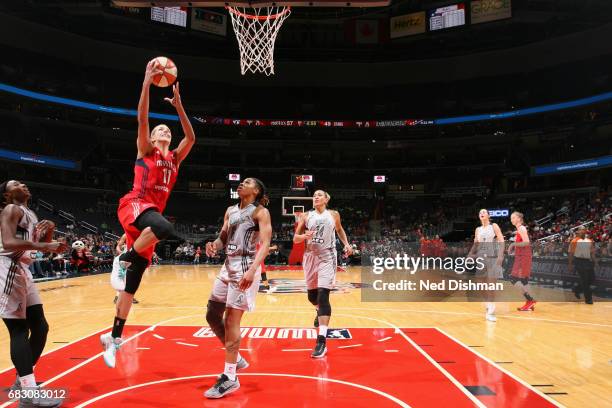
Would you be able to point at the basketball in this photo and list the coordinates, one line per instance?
(169, 74)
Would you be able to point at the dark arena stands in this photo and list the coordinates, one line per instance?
(413, 115)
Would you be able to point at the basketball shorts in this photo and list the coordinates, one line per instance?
(521, 268)
(320, 269)
(491, 270)
(18, 289)
(127, 213)
(225, 289)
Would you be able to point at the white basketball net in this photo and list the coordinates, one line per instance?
(256, 31)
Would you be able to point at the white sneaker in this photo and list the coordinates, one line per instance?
(490, 317)
(242, 364)
(117, 275)
(110, 345)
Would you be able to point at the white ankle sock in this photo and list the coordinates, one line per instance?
(28, 381)
(230, 371)
(238, 357)
(490, 308)
(322, 330)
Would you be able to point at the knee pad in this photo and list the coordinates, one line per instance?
(323, 299)
(312, 296)
(161, 227)
(35, 316)
(134, 273)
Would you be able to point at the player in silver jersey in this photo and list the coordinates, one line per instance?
(20, 305)
(489, 245)
(318, 228)
(244, 226)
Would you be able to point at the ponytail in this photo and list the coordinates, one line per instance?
(262, 197)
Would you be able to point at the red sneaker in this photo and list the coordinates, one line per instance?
(528, 306)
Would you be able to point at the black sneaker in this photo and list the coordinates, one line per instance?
(135, 301)
(316, 321)
(320, 349)
(116, 299)
(222, 387)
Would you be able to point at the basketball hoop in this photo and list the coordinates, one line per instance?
(256, 34)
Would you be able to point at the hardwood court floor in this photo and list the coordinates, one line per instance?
(563, 349)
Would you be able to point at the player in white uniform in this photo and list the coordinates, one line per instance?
(245, 225)
(117, 280)
(20, 305)
(489, 245)
(318, 228)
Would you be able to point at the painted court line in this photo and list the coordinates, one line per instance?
(452, 379)
(325, 379)
(262, 309)
(187, 344)
(391, 351)
(296, 349)
(442, 312)
(385, 339)
(157, 336)
(526, 384)
(89, 360)
(63, 346)
(352, 345)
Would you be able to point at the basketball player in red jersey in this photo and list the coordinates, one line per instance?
(140, 210)
(521, 270)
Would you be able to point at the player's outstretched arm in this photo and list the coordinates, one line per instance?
(9, 218)
(143, 142)
(348, 249)
(188, 141)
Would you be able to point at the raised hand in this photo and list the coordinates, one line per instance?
(153, 68)
(176, 96)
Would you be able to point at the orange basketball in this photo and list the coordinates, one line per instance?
(169, 74)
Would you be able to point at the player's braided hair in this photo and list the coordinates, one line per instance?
(262, 197)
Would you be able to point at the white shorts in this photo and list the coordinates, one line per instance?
(18, 289)
(491, 270)
(225, 289)
(320, 269)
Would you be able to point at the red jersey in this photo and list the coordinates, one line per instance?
(154, 178)
(522, 259)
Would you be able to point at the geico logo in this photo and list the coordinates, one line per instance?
(498, 213)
